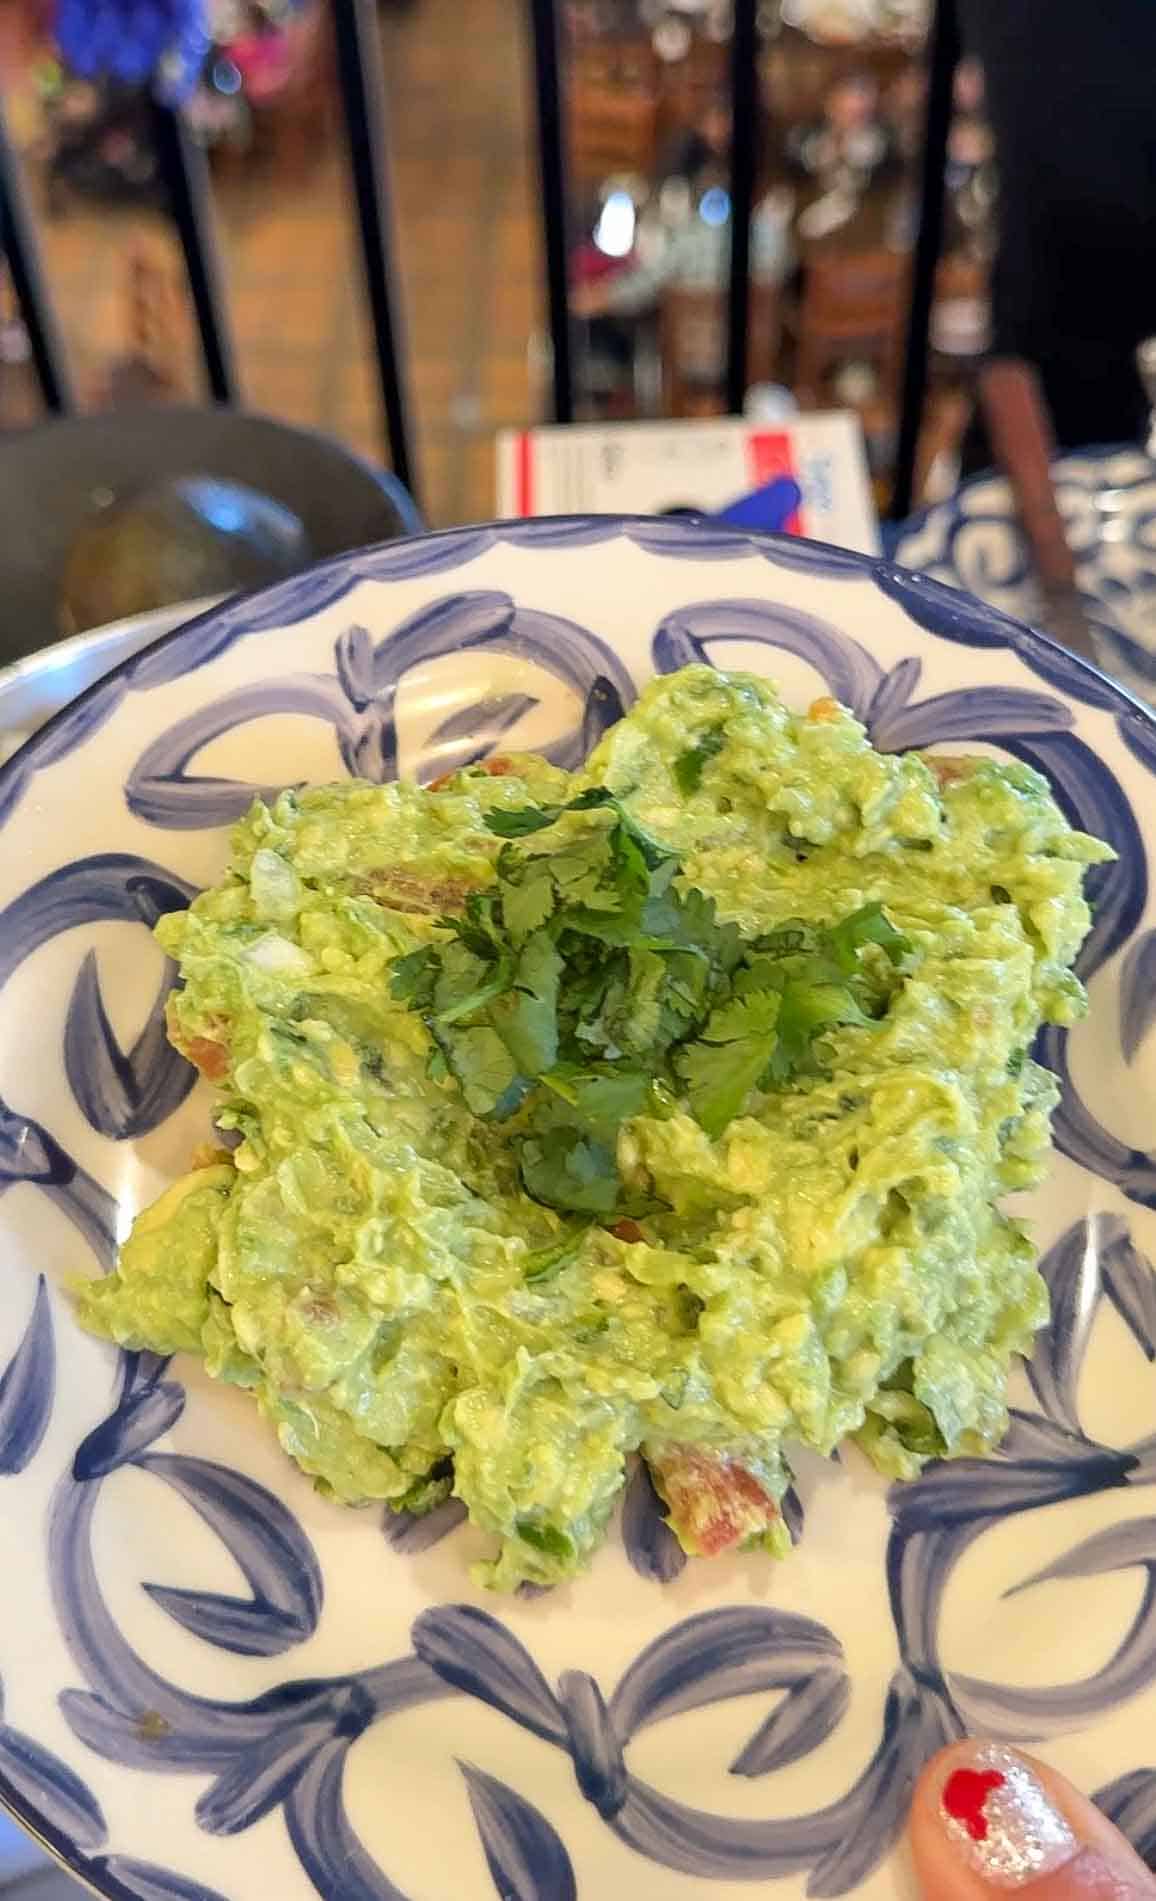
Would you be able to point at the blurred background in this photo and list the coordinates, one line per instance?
(812, 265)
(841, 86)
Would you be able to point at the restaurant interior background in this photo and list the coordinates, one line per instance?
(842, 85)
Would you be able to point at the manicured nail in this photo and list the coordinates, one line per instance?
(1001, 1818)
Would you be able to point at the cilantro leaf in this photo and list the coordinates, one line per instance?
(542, 1264)
(522, 820)
(546, 1539)
(720, 1076)
(594, 795)
(527, 905)
(590, 984)
(722, 1069)
(688, 767)
(481, 1063)
(743, 1017)
(806, 1011)
(869, 925)
(604, 1099)
(566, 1170)
(526, 1018)
(477, 925)
(413, 977)
(466, 982)
(638, 1021)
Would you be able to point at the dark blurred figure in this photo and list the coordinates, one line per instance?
(702, 146)
(1071, 97)
(852, 142)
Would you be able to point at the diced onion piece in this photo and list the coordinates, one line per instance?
(275, 886)
(277, 957)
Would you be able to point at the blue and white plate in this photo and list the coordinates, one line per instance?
(215, 1684)
(1107, 500)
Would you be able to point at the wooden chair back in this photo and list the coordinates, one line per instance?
(692, 340)
(854, 306)
(613, 110)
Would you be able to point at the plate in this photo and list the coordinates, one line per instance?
(34, 688)
(215, 1684)
(1107, 499)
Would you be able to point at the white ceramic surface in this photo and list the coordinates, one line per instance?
(215, 1684)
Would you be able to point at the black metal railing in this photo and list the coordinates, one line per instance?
(184, 173)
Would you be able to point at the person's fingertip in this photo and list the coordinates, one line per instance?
(998, 1818)
(985, 1818)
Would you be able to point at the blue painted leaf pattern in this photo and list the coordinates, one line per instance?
(595, 1747)
(1071, 1268)
(322, 1834)
(142, 1881)
(122, 1093)
(893, 692)
(685, 638)
(28, 1153)
(28, 1389)
(468, 735)
(1020, 1713)
(260, 1777)
(1130, 1802)
(525, 1854)
(474, 1652)
(916, 1723)
(810, 1712)
(1137, 993)
(109, 887)
(716, 1655)
(276, 1558)
(494, 715)
(44, 1785)
(651, 1546)
(1130, 1284)
(359, 702)
(967, 715)
(141, 1417)
(411, 1532)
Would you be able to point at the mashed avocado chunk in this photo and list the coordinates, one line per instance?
(665, 1107)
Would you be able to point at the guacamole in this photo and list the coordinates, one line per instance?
(664, 1107)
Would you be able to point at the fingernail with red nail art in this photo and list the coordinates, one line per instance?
(1002, 1820)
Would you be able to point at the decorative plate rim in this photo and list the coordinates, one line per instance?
(914, 523)
(795, 552)
(270, 609)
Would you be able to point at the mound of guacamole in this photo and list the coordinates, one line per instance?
(661, 1108)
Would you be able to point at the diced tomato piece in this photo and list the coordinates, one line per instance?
(209, 1054)
(498, 766)
(627, 1230)
(211, 1058)
(950, 768)
(714, 1504)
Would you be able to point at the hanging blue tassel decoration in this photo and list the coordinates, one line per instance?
(136, 42)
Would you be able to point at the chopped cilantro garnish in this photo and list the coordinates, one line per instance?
(588, 985)
(543, 1263)
(688, 767)
(546, 1539)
